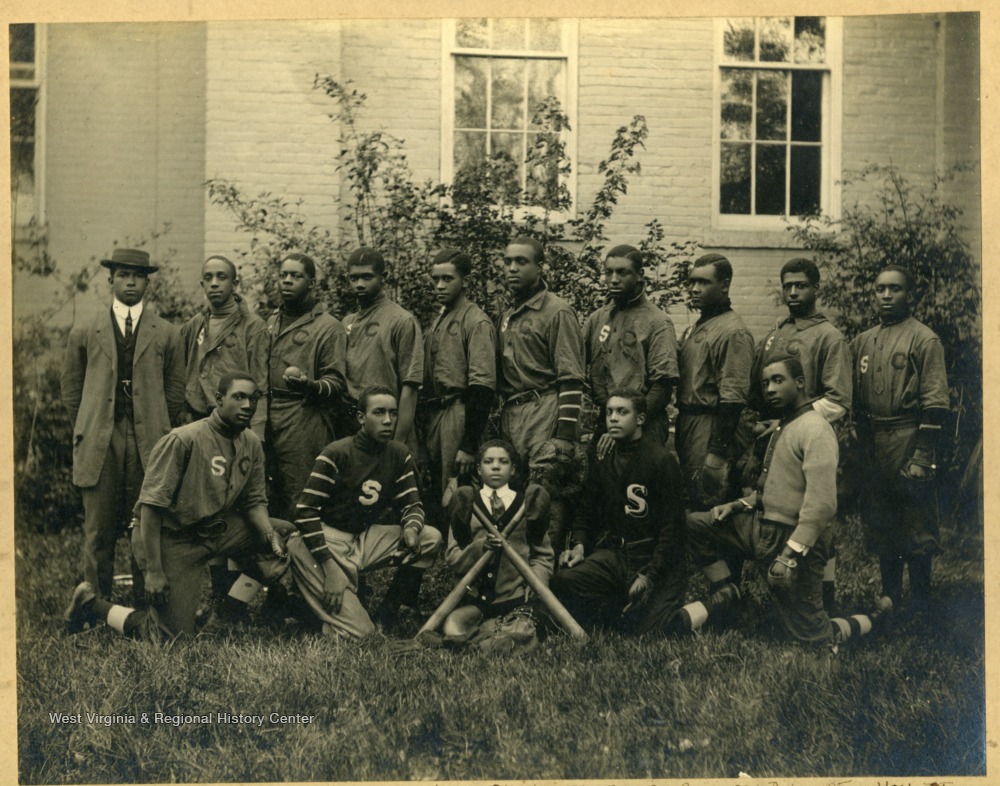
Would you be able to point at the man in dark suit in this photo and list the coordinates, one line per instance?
(123, 386)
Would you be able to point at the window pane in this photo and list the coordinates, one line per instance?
(472, 33)
(805, 180)
(22, 43)
(770, 192)
(772, 104)
(737, 40)
(810, 39)
(544, 80)
(544, 35)
(775, 39)
(509, 33)
(508, 148)
(470, 150)
(734, 191)
(737, 103)
(807, 102)
(508, 94)
(470, 91)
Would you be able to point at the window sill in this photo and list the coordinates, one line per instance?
(722, 237)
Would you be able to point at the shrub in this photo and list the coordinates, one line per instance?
(480, 213)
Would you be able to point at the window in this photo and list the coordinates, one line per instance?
(25, 111)
(496, 73)
(776, 118)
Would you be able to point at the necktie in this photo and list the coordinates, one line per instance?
(496, 505)
(128, 325)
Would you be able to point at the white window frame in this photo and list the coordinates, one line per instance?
(36, 82)
(831, 132)
(568, 54)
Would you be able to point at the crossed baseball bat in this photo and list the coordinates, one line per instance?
(450, 603)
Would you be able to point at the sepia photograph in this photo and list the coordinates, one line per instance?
(504, 394)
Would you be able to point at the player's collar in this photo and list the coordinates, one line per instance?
(714, 311)
(377, 301)
(219, 425)
(534, 300)
(801, 323)
(367, 444)
(631, 302)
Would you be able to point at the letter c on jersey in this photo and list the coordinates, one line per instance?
(369, 492)
(637, 506)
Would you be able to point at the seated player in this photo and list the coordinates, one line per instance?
(203, 497)
(522, 515)
(625, 565)
(359, 511)
(785, 524)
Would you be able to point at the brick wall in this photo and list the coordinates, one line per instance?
(121, 157)
(397, 64)
(661, 69)
(962, 117)
(266, 127)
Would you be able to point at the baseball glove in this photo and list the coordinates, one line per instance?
(558, 468)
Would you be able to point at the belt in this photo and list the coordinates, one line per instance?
(527, 395)
(440, 402)
(891, 423)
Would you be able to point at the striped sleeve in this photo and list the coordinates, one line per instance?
(406, 497)
(313, 501)
(570, 404)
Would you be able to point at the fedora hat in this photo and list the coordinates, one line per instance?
(129, 257)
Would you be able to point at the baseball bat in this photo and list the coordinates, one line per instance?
(561, 614)
(450, 603)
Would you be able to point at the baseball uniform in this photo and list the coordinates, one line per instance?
(541, 371)
(630, 522)
(796, 498)
(300, 425)
(902, 399)
(202, 477)
(716, 355)
(360, 496)
(216, 347)
(459, 365)
(631, 346)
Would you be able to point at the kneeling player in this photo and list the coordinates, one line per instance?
(785, 524)
(626, 559)
(361, 511)
(524, 517)
(203, 497)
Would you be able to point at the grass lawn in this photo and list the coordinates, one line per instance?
(905, 702)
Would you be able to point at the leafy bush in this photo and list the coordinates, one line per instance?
(893, 222)
(480, 213)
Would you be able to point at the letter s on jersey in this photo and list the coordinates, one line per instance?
(218, 466)
(637, 506)
(369, 492)
(863, 364)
